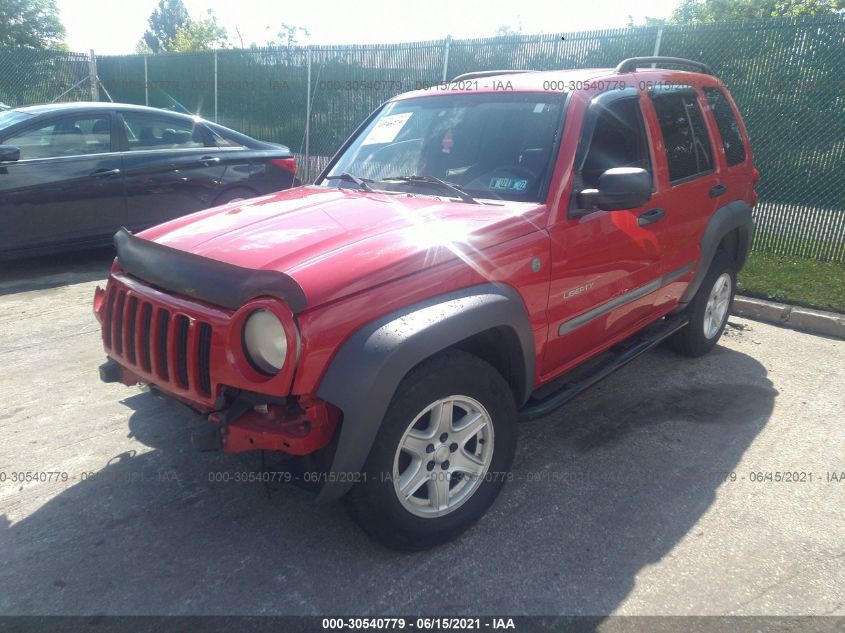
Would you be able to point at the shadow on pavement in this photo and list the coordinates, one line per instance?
(40, 273)
(602, 488)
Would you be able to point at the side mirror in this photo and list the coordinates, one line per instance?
(9, 153)
(619, 188)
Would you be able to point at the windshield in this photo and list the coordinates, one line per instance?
(10, 117)
(489, 145)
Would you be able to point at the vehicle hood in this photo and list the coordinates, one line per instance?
(336, 242)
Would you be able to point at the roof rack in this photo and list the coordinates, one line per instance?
(630, 65)
(488, 73)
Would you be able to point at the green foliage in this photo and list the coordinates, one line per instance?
(288, 35)
(710, 11)
(200, 35)
(165, 23)
(173, 30)
(507, 31)
(31, 23)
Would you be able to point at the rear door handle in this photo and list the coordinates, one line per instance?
(650, 217)
(105, 173)
(210, 160)
(718, 190)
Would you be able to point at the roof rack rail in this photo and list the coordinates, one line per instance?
(488, 73)
(630, 65)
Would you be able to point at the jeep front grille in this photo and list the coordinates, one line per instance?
(152, 339)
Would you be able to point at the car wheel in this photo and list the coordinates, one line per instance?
(442, 454)
(709, 310)
(234, 195)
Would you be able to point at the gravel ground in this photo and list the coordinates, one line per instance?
(649, 494)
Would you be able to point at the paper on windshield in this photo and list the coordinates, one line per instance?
(387, 128)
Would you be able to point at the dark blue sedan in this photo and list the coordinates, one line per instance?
(72, 174)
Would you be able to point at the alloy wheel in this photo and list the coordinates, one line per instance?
(443, 456)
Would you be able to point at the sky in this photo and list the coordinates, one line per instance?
(115, 27)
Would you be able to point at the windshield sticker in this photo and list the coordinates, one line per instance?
(387, 128)
(517, 185)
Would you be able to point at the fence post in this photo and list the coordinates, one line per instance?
(146, 84)
(447, 45)
(215, 85)
(657, 43)
(308, 115)
(92, 76)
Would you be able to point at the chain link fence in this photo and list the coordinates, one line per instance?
(37, 76)
(785, 74)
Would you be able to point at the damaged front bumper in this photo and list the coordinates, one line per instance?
(243, 421)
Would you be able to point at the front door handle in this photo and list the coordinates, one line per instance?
(105, 173)
(718, 190)
(650, 217)
(210, 160)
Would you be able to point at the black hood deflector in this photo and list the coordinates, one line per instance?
(208, 280)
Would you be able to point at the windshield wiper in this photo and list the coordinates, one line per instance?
(431, 180)
(347, 177)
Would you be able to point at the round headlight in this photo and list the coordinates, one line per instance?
(264, 341)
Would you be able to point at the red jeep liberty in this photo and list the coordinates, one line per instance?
(448, 274)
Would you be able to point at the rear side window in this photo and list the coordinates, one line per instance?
(222, 141)
(727, 124)
(688, 149)
(145, 132)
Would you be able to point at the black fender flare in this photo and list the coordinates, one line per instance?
(367, 369)
(734, 215)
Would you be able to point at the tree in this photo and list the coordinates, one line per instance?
(288, 36)
(172, 29)
(708, 11)
(31, 23)
(200, 35)
(505, 30)
(141, 48)
(165, 23)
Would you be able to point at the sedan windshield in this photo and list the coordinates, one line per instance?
(10, 117)
(486, 145)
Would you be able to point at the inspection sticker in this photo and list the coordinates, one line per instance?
(387, 128)
(509, 184)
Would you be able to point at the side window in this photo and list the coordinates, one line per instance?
(727, 124)
(688, 149)
(618, 140)
(145, 132)
(222, 141)
(69, 136)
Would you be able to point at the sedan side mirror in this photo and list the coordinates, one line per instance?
(9, 153)
(619, 188)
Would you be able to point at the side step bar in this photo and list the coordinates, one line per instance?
(625, 352)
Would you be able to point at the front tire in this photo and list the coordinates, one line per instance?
(709, 310)
(442, 454)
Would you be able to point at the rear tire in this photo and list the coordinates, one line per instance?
(441, 456)
(709, 309)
